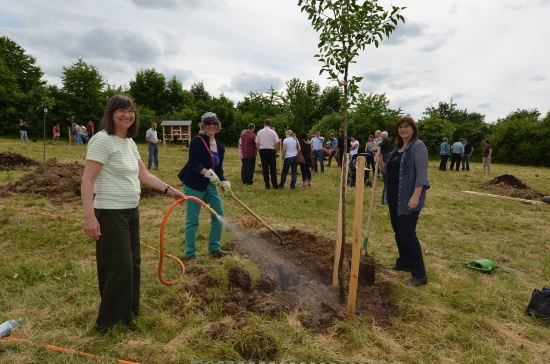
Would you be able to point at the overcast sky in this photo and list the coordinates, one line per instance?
(490, 56)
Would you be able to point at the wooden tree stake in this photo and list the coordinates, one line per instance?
(357, 227)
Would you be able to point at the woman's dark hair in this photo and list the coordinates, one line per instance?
(409, 121)
(303, 135)
(114, 103)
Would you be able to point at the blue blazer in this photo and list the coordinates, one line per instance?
(199, 158)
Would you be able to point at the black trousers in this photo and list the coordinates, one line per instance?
(249, 166)
(443, 163)
(456, 158)
(118, 267)
(269, 166)
(408, 245)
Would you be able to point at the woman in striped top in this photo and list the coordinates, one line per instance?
(110, 193)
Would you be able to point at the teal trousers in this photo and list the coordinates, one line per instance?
(212, 197)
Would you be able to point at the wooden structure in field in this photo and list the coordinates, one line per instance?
(176, 131)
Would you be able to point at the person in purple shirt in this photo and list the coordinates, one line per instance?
(249, 152)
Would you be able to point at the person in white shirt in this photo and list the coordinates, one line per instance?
(267, 143)
(290, 152)
(317, 143)
(152, 139)
(354, 149)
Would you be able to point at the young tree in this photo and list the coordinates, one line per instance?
(345, 28)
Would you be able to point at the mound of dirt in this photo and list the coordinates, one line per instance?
(508, 185)
(10, 161)
(58, 181)
(295, 278)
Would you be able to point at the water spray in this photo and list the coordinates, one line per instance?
(282, 242)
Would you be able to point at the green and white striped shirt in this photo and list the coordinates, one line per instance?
(117, 185)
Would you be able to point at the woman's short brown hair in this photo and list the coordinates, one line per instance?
(114, 103)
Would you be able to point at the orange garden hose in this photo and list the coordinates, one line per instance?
(159, 272)
(161, 237)
(67, 351)
(161, 259)
(161, 246)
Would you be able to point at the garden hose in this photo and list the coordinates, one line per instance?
(67, 351)
(141, 242)
(161, 237)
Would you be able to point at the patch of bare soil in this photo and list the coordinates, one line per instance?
(10, 161)
(508, 185)
(295, 278)
(60, 182)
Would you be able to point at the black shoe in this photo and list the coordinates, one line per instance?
(394, 267)
(194, 257)
(219, 253)
(416, 282)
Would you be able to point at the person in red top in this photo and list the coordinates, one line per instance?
(56, 131)
(249, 152)
(90, 129)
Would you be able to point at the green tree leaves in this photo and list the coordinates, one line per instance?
(83, 92)
(19, 77)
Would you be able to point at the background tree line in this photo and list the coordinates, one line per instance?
(522, 137)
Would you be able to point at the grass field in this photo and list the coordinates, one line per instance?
(48, 275)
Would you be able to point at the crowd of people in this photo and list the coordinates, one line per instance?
(460, 153)
(78, 134)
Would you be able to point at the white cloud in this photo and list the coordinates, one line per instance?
(490, 56)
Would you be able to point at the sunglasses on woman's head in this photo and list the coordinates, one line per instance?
(212, 122)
